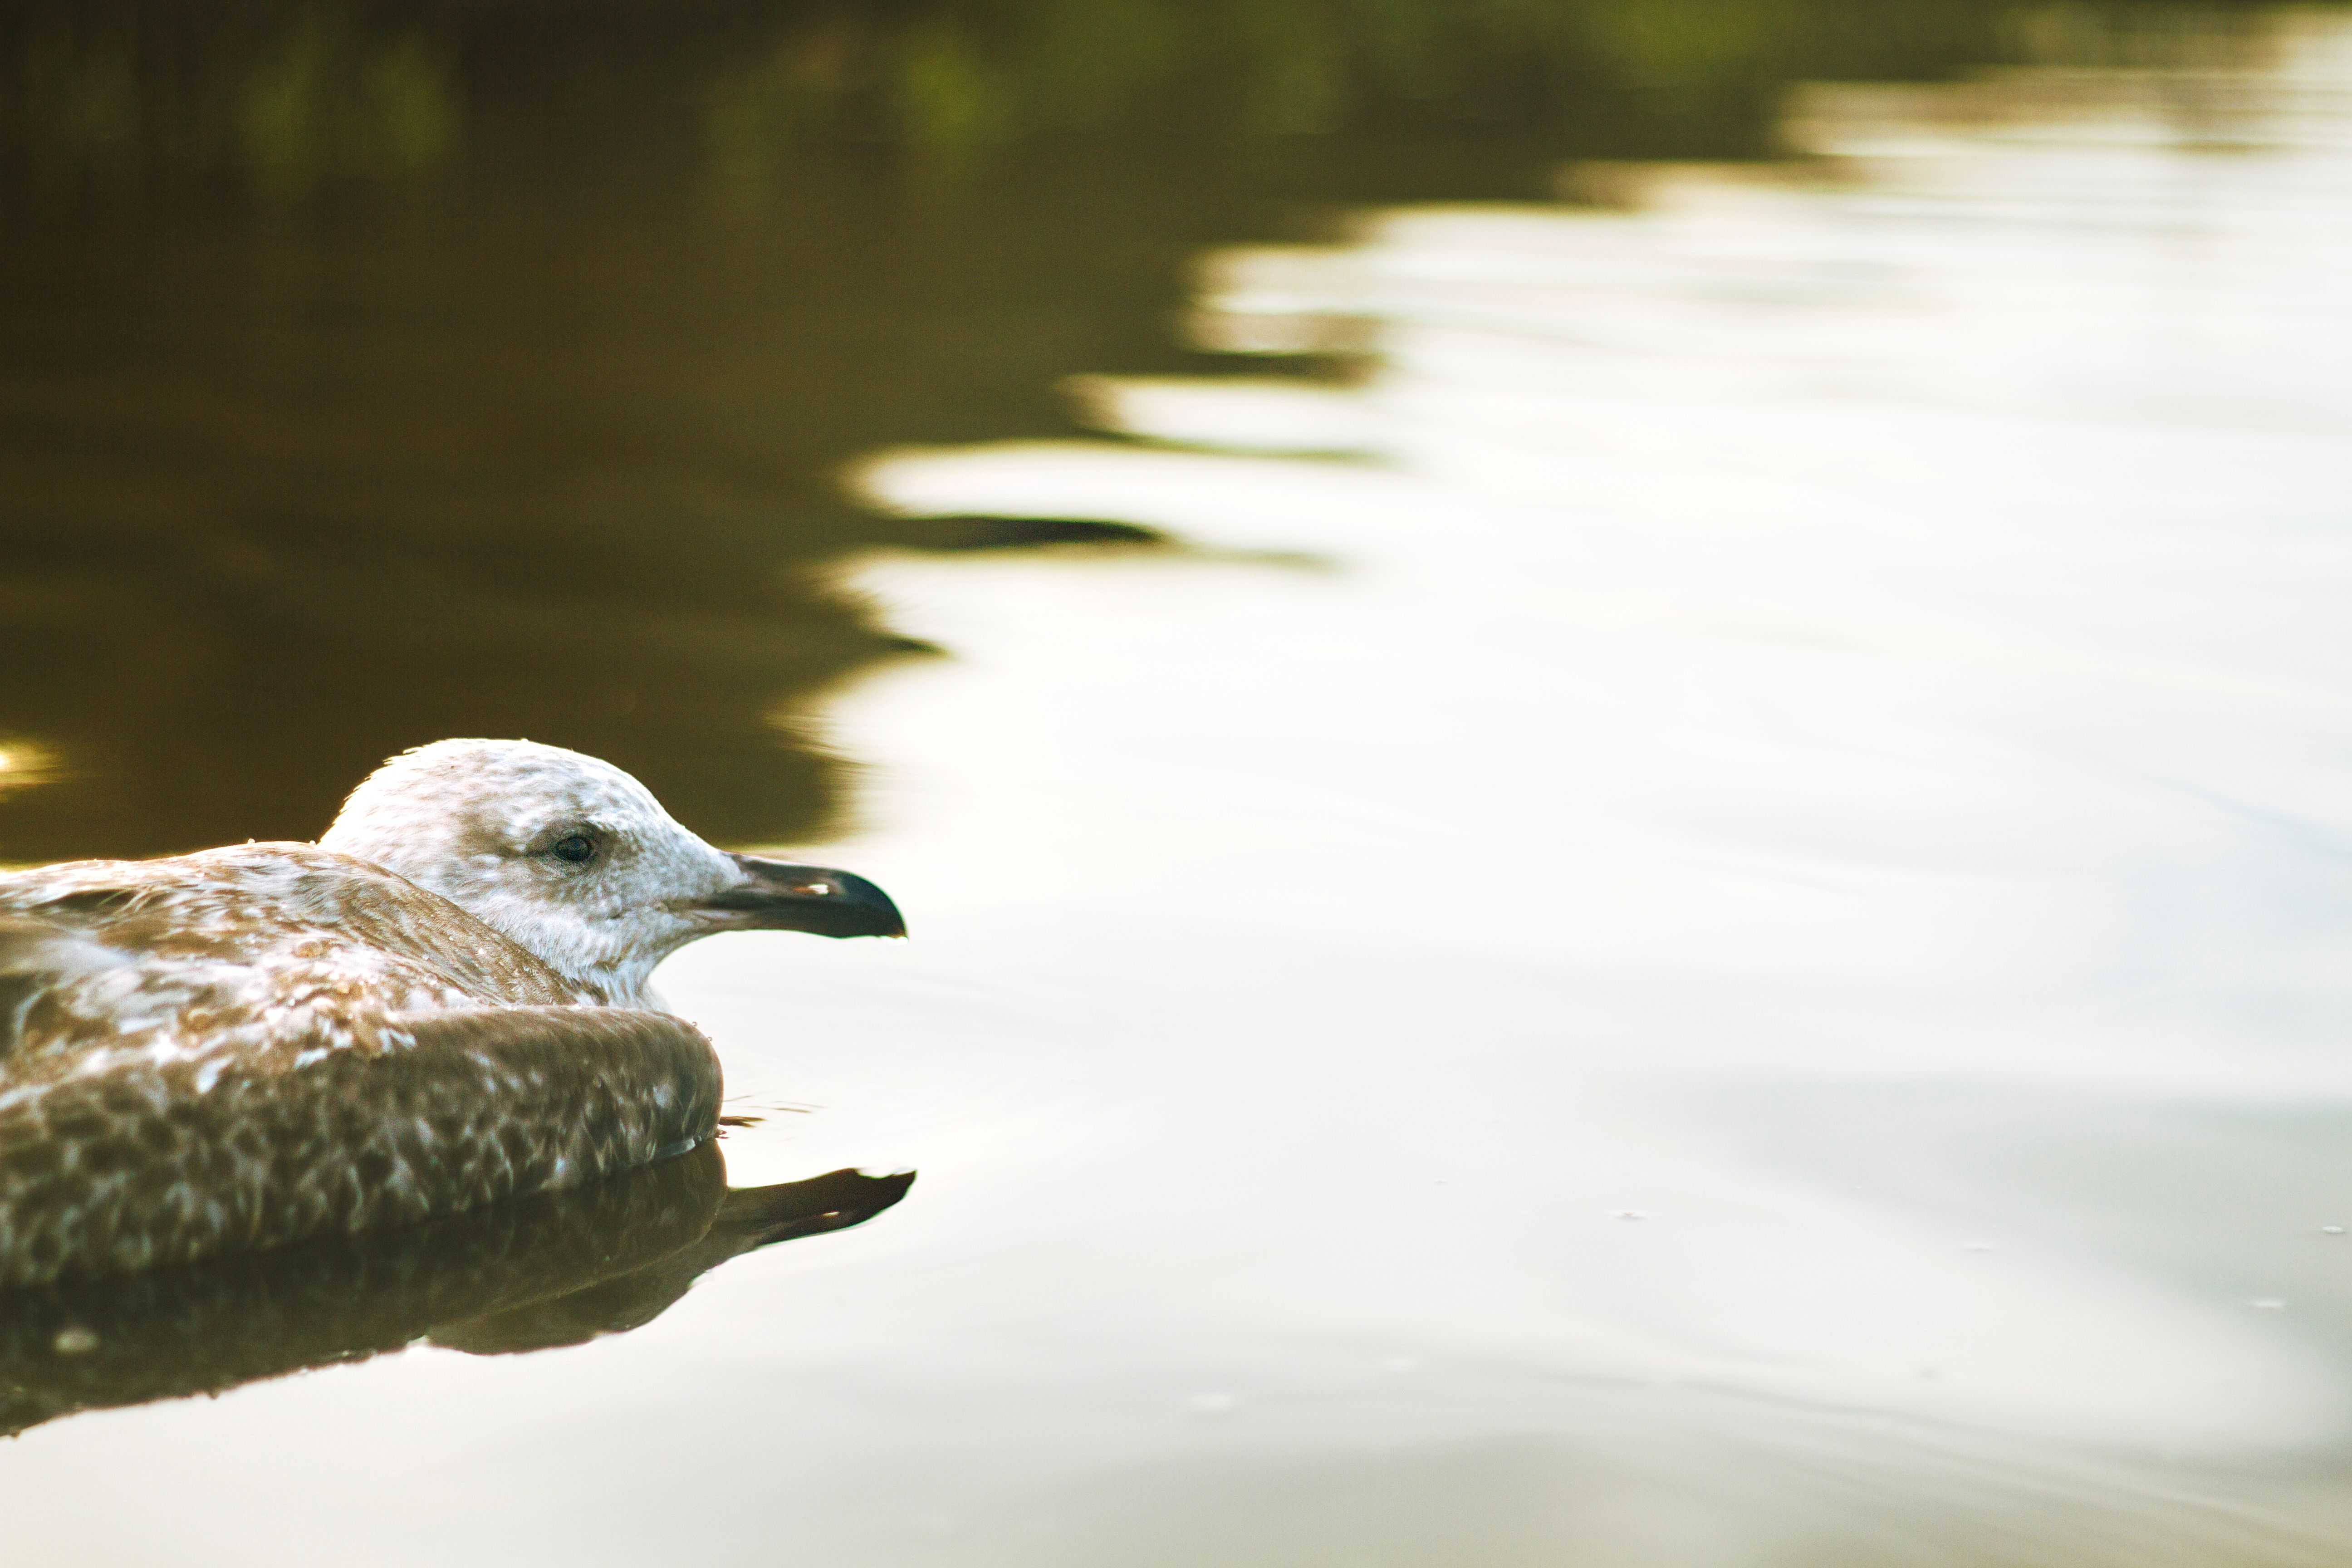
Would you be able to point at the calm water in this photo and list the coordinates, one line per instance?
(1693, 914)
(380, 373)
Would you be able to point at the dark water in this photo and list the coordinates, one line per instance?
(542, 457)
(1662, 887)
(379, 373)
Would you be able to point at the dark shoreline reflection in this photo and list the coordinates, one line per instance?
(375, 373)
(557, 1270)
(280, 498)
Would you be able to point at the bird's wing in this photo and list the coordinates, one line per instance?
(285, 906)
(233, 951)
(135, 1159)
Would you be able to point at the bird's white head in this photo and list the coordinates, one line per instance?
(575, 860)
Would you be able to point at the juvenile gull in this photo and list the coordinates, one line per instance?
(441, 1003)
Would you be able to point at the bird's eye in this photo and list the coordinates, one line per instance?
(575, 849)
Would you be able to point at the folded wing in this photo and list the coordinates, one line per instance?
(130, 1157)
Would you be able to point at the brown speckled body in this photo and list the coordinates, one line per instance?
(256, 1045)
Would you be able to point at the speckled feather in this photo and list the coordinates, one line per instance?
(253, 1045)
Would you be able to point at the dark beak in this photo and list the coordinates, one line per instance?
(780, 896)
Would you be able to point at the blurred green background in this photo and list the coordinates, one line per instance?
(378, 373)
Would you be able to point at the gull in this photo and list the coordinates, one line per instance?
(443, 1003)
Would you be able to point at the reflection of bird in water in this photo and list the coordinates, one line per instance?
(442, 1004)
(543, 1272)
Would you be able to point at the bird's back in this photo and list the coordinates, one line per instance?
(201, 951)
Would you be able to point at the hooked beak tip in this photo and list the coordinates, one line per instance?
(777, 895)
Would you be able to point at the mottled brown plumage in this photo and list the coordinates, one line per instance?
(249, 1046)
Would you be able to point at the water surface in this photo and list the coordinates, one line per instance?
(1693, 918)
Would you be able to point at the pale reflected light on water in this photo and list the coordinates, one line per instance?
(1701, 924)
(1790, 857)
